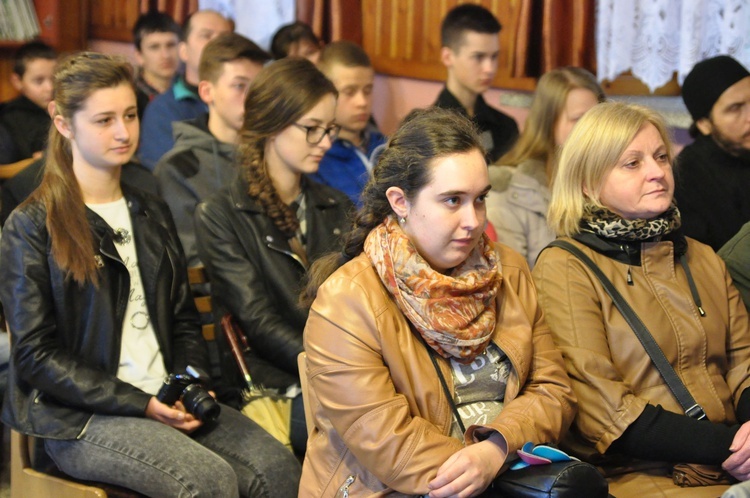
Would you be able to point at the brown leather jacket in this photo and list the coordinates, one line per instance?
(612, 375)
(381, 420)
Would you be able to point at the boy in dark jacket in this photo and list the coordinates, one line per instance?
(202, 159)
(25, 119)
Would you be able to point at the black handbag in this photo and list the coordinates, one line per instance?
(556, 480)
(571, 479)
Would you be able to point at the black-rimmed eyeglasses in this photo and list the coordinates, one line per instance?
(316, 133)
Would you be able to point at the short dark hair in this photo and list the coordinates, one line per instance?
(343, 52)
(289, 34)
(153, 22)
(467, 17)
(224, 48)
(30, 51)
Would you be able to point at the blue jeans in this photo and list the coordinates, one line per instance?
(233, 457)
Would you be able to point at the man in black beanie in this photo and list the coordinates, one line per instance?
(713, 173)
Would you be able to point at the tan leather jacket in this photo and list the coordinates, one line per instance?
(381, 419)
(612, 375)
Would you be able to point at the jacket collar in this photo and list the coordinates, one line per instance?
(626, 251)
(316, 197)
(182, 91)
(344, 149)
(447, 100)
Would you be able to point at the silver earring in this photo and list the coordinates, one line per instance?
(402, 220)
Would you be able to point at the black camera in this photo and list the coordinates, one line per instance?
(188, 389)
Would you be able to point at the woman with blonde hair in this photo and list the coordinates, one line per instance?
(95, 291)
(517, 204)
(685, 414)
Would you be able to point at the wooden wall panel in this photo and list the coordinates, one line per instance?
(114, 20)
(403, 38)
(64, 26)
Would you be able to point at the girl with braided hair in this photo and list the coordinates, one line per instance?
(257, 236)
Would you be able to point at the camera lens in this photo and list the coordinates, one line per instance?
(200, 403)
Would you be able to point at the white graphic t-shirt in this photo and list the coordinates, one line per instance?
(141, 361)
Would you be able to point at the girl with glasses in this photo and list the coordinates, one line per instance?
(94, 285)
(258, 236)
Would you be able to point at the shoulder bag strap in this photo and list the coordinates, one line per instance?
(448, 393)
(686, 400)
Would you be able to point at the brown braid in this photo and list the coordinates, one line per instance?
(261, 188)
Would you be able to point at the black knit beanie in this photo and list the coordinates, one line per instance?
(707, 81)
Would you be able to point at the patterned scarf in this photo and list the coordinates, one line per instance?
(455, 314)
(609, 225)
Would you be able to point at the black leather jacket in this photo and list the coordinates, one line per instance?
(255, 275)
(66, 338)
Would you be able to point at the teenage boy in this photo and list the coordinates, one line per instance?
(347, 164)
(25, 118)
(470, 39)
(181, 101)
(155, 35)
(202, 159)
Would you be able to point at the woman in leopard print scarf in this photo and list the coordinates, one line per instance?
(612, 198)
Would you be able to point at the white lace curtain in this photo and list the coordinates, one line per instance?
(655, 38)
(255, 19)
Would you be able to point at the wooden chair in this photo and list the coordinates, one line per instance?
(27, 482)
(9, 170)
(302, 365)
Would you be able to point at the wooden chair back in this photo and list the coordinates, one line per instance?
(197, 276)
(25, 482)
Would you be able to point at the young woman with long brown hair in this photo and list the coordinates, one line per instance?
(95, 289)
(258, 236)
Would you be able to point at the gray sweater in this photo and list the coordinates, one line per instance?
(195, 168)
